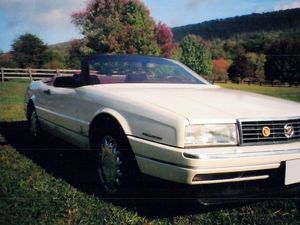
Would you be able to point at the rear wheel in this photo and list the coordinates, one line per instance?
(34, 126)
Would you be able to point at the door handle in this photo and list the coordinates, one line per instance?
(48, 92)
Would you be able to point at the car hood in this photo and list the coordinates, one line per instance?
(205, 103)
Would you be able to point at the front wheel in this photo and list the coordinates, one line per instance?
(110, 164)
(116, 166)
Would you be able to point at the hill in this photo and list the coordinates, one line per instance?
(62, 47)
(284, 21)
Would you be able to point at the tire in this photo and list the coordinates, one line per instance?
(34, 126)
(115, 165)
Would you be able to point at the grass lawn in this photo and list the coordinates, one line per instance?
(281, 92)
(46, 184)
(11, 100)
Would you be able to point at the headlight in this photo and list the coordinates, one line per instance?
(210, 134)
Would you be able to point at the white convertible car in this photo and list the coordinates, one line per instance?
(155, 116)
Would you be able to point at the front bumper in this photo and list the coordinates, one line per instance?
(215, 165)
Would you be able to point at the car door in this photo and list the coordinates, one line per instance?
(62, 110)
(58, 111)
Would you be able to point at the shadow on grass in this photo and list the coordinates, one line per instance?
(156, 199)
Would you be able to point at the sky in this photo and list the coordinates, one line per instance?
(50, 20)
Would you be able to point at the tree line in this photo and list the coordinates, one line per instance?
(29, 51)
(254, 47)
(257, 57)
(125, 26)
(282, 21)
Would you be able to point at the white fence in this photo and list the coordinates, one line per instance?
(32, 74)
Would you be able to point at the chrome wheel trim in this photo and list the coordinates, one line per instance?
(33, 125)
(109, 166)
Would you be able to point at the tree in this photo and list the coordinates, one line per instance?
(217, 48)
(28, 50)
(53, 59)
(165, 39)
(258, 62)
(196, 55)
(283, 61)
(241, 69)
(233, 48)
(75, 54)
(220, 67)
(259, 42)
(6, 60)
(117, 26)
(177, 52)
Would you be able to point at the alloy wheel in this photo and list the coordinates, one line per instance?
(109, 164)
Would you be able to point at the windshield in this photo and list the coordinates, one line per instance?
(108, 69)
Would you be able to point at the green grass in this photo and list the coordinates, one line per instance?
(11, 98)
(292, 93)
(31, 195)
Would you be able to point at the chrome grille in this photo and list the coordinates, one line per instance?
(251, 131)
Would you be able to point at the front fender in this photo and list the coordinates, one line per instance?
(119, 117)
(149, 127)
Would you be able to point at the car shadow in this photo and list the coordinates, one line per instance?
(153, 199)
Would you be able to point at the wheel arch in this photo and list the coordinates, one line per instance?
(102, 117)
(30, 108)
(129, 169)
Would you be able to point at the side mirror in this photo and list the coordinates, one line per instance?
(66, 82)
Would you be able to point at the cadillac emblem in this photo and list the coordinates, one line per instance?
(266, 131)
(289, 130)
